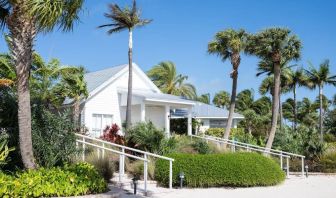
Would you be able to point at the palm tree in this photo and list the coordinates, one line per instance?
(205, 98)
(294, 79)
(307, 114)
(24, 19)
(229, 44)
(126, 19)
(276, 44)
(73, 85)
(221, 99)
(165, 77)
(245, 100)
(317, 79)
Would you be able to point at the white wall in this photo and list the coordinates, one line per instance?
(156, 114)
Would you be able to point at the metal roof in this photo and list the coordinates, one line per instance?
(95, 79)
(202, 110)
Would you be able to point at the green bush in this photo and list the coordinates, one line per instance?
(231, 169)
(328, 163)
(217, 132)
(78, 179)
(54, 139)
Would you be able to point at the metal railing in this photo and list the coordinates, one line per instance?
(251, 147)
(102, 147)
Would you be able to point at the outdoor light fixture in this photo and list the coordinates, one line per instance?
(306, 168)
(135, 183)
(181, 175)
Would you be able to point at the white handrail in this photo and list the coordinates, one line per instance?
(122, 154)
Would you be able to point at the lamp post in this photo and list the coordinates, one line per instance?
(135, 183)
(306, 168)
(181, 175)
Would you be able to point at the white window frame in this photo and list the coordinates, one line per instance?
(97, 132)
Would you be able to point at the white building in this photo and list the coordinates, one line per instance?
(106, 103)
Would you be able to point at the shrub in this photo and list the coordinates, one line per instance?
(53, 138)
(217, 132)
(110, 134)
(184, 144)
(104, 165)
(231, 169)
(4, 150)
(136, 169)
(78, 179)
(328, 163)
(145, 136)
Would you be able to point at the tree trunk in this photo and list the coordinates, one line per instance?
(76, 113)
(295, 110)
(235, 61)
(130, 79)
(280, 109)
(275, 104)
(321, 109)
(22, 32)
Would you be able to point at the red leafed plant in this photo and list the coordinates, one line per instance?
(110, 134)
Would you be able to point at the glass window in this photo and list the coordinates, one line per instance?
(99, 122)
(218, 123)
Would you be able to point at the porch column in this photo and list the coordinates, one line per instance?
(143, 112)
(167, 120)
(189, 122)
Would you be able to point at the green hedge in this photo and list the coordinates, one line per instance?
(78, 179)
(212, 170)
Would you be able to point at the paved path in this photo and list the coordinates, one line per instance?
(296, 187)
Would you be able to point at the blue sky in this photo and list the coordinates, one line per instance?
(181, 30)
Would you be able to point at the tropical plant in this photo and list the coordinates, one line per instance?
(229, 44)
(276, 44)
(221, 99)
(245, 100)
(318, 78)
(73, 86)
(4, 150)
(111, 134)
(125, 19)
(307, 114)
(165, 76)
(24, 19)
(204, 98)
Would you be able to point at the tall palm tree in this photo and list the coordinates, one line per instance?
(73, 85)
(24, 19)
(318, 78)
(294, 79)
(165, 77)
(221, 99)
(276, 44)
(229, 44)
(126, 19)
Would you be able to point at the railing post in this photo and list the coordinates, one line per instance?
(98, 153)
(123, 161)
(281, 163)
(120, 168)
(83, 154)
(302, 168)
(170, 174)
(145, 174)
(287, 162)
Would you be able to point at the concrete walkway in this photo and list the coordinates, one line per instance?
(312, 187)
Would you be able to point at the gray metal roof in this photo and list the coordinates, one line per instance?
(202, 110)
(95, 79)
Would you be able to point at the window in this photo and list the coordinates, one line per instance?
(99, 122)
(218, 123)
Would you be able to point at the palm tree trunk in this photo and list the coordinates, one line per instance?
(295, 110)
(321, 109)
(23, 32)
(76, 112)
(275, 105)
(130, 79)
(235, 60)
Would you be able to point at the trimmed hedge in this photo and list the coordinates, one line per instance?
(78, 179)
(214, 170)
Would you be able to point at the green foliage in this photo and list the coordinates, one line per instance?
(53, 138)
(136, 169)
(104, 165)
(4, 150)
(217, 132)
(328, 162)
(186, 144)
(231, 169)
(238, 134)
(78, 179)
(145, 136)
(221, 99)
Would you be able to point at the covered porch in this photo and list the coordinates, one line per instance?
(157, 108)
